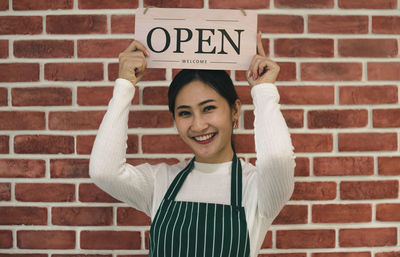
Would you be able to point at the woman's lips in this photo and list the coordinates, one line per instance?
(205, 139)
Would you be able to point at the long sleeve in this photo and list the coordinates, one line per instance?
(275, 159)
(108, 167)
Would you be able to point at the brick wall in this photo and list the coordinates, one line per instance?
(339, 86)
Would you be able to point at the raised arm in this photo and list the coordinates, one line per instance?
(275, 159)
(108, 167)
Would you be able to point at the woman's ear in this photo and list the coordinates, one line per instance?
(236, 109)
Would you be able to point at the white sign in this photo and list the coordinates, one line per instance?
(197, 38)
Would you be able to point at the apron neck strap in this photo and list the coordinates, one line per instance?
(236, 182)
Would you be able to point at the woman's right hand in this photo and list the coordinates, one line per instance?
(132, 62)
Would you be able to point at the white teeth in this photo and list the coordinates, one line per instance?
(203, 138)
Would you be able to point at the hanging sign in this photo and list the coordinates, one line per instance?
(197, 38)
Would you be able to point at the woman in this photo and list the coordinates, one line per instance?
(215, 205)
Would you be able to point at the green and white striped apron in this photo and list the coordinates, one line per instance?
(194, 229)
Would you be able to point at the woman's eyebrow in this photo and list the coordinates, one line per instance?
(200, 104)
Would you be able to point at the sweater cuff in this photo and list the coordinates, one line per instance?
(263, 90)
(124, 87)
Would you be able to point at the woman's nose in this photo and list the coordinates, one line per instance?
(199, 124)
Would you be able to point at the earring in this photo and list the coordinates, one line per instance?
(235, 124)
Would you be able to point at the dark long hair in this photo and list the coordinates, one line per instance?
(219, 80)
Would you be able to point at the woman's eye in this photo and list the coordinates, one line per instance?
(209, 108)
(183, 113)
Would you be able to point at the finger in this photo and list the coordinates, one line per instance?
(260, 48)
(136, 45)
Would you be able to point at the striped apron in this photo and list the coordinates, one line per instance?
(194, 229)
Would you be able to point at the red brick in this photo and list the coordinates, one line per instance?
(367, 190)
(267, 243)
(20, 168)
(338, 24)
(44, 48)
(287, 72)
(302, 168)
(367, 237)
(82, 216)
(164, 144)
(80, 120)
(19, 72)
(43, 144)
(5, 191)
(106, 48)
(150, 119)
(42, 192)
(22, 120)
(174, 3)
(312, 142)
(292, 214)
(372, 4)
(73, 71)
(341, 213)
(155, 95)
(283, 255)
(3, 97)
(127, 216)
(386, 24)
(306, 95)
(343, 166)
(293, 118)
(280, 24)
(76, 24)
(4, 5)
(41, 96)
(368, 94)
(69, 168)
(337, 119)
(383, 71)
(84, 255)
(237, 4)
(387, 254)
(3, 48)
(108, 4)
(331, 71)
(149, 74)
(23, 216)
(4, 144)
(110, 240)
(123, 24)
(20, 5)
(97, 96)
(6, 239)
(320, 4)
(244, 94)
(367, 142)
(314, 191)
(342, 254)
(368, 47)
(23, 255)
(386, 118)
(244, 143)
(389, 166)
(388, 212)
(302, 47)
(11, 25)
(152, 161)
(53, 239)
(85, 143)
(92, 193)
(287, 239)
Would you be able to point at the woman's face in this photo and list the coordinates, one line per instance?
(204, 121)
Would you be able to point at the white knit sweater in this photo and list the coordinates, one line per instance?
(266, 187)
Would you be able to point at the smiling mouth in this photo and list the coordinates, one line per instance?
(204, 139)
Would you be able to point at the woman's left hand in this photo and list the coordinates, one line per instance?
(262, 69)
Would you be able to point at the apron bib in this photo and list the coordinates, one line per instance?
(195, 229)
